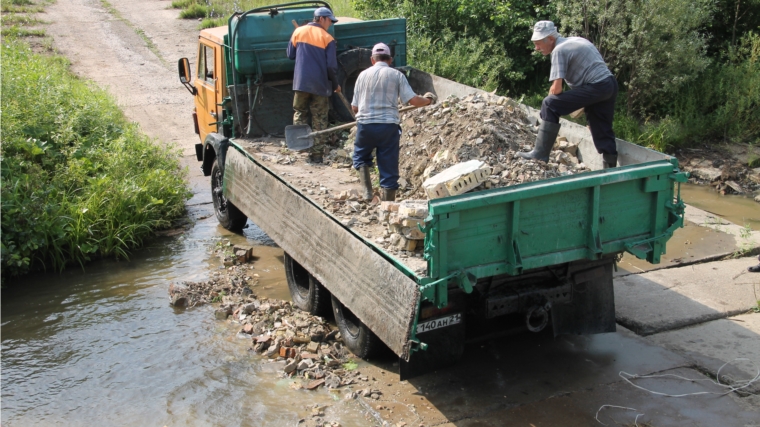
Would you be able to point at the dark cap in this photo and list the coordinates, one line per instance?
(323, 11)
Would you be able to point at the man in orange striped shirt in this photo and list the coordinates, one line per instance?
(315, 76)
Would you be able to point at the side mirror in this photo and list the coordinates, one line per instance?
(183, 66)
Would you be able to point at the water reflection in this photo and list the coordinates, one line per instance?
(104, 347)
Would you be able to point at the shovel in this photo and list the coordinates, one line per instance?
(300, 137)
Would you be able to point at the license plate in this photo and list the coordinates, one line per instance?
(439, 323)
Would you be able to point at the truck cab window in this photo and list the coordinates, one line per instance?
(206, 64)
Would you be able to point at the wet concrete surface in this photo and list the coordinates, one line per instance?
(662, 300)
(536, 379)
(712, 344)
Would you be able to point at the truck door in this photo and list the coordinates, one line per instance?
(206, 83)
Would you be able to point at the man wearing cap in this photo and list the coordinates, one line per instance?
(315, 76)
(376, 94)
(576, 61)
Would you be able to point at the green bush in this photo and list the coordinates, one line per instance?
(181, 4)
(194, 11)
(463, 59)
(79, 181)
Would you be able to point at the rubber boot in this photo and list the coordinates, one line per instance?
(547, 134)
(388, 194)
(366, 182)
(609, 160)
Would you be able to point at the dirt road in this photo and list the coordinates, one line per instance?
(131, 49)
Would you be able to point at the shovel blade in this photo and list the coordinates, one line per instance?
(297, 137)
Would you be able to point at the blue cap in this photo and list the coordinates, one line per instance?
(323, 11)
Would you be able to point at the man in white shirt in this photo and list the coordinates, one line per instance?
(377, 92)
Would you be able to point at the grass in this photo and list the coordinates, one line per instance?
(216, 12)
(20, 19)
(18, 32)
(79, 180)
(17, 19)
(194, 11)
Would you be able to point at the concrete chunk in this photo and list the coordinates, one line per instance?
(413, 209)
(457, 179)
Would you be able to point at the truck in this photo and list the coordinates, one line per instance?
(542, 253)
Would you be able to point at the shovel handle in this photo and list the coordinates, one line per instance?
(347, 105)
(350, 125)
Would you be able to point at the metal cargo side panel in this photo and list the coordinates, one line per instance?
(351, 35)
(377, 292)
(550, 222)
(263, 36)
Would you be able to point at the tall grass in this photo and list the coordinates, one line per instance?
(79, 181)
(218, 11)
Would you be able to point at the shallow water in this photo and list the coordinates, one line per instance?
(104, 347)
(740, 209)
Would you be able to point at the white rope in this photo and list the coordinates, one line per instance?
(618, 407)
(738, 385)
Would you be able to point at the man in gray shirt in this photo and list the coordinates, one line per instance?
(576, 61)
(377, 92)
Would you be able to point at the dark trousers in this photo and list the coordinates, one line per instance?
(598, 101)
(385, 138)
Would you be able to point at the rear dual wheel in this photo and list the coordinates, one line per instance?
(305, 290)
(310, 296)
(356, 335)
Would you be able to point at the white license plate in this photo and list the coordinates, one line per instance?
(439, 323)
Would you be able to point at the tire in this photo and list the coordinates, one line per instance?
(227, 214)
(306, 292)
(356, 335)
(350, 64)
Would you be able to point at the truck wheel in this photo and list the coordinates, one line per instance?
(306, 292)
(350, 64)
(356, 335)
(227, 214)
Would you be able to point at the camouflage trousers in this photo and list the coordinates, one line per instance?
(307, 105)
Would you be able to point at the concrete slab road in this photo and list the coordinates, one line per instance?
(538, 380)
(663, 300)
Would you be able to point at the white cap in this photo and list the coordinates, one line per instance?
(544, 29)
(381, 49)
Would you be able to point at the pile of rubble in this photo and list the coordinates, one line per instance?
(305, 346)
(402, 221)
(457, 130)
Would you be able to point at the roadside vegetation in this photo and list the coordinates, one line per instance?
(79, 181)
(215, 13)
(689, 71)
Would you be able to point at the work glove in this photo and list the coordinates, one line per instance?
(431, 96)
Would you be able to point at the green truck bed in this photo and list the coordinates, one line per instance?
(471, 239)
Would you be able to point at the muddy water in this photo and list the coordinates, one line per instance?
(740, 209)
(105, 348)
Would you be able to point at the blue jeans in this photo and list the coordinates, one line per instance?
(384, 137)
(598, 102)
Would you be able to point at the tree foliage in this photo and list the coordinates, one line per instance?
(654, 47)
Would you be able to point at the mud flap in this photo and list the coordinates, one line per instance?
(592, 310)
(444, 348)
